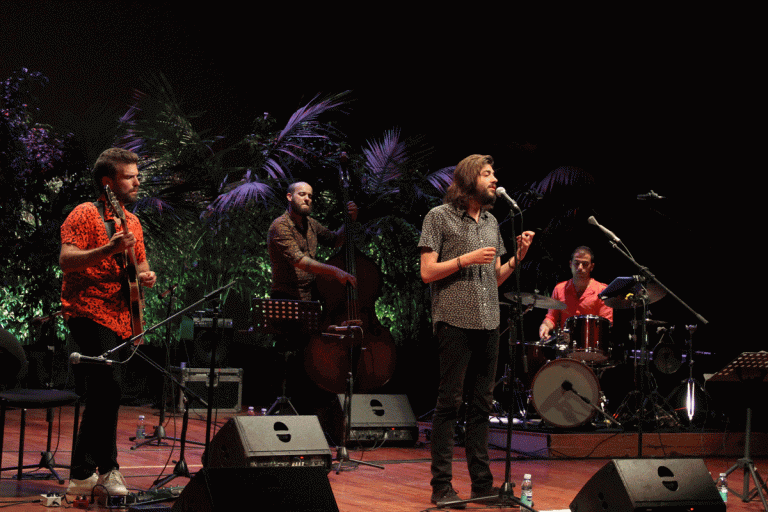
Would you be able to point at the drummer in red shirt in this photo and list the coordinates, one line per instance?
(580, 294)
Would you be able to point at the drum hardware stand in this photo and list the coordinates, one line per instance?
(751, 370)
(691, 384)
(651, 402)
(343, 461)
(649, 287)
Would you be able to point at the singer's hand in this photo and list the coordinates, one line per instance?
(480, 256)
(524, 241)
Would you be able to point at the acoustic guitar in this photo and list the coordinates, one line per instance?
(135, 294)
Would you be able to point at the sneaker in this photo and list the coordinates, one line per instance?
(82, 487)
(445, 497)
(111, 483)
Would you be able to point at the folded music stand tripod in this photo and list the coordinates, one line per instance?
(751, 370)
(287, 318)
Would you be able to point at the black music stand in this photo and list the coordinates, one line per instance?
(751, 370)
(288, 318)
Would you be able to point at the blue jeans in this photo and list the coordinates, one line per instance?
(467, 357)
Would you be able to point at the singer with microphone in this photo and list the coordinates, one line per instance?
(580, 294)
(461, 249)
(94, 303)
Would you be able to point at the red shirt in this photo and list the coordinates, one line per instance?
(97, 292)
(587, 304)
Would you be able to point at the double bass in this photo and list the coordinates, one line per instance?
(369, 353)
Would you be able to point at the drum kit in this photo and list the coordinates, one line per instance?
(560, 376)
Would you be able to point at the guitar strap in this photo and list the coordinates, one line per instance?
(109, 225)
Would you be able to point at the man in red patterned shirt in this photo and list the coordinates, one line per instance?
(96, 308)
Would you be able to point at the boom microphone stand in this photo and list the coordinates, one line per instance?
(159, 437)
(181, 466)
(647, 284)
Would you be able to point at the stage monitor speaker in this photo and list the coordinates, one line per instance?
(277, 489)
(376, 418)
(648, 485)
(269, 441)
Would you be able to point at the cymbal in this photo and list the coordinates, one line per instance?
(629, 300)
(537, 301)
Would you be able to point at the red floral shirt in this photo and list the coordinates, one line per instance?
(97, 292)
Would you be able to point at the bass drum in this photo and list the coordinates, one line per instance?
(554, 403)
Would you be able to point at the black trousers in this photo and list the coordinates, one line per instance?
(468, 359)
(101, 388)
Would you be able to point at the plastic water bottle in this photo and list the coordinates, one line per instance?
(251, 411)
(526, 490)
(263, 411)
(140, 428)
(722, 487)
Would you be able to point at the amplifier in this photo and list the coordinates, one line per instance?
(207, 323)
(227, 384)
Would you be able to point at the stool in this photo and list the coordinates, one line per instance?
(49, 399)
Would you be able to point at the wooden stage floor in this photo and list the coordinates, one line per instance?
(403, 484)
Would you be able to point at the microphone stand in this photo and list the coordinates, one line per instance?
(181, 468)
(645, 277)
(159, 436)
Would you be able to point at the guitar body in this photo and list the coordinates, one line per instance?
(135, 294)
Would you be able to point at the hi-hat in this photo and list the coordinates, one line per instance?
(535, 300)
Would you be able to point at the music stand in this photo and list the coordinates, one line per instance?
(751, 370)
(288, 318)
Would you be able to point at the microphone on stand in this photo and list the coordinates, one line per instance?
(605, 230)
(77, 358)
(502, 192)
(649, 195)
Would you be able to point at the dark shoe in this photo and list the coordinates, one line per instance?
(445, 496)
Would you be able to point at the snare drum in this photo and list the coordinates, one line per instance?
(555, 403)
(588, 338)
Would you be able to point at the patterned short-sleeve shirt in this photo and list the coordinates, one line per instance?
(287, 244)
(469, 298)
(97, 292)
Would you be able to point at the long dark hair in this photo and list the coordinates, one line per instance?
(464, 183)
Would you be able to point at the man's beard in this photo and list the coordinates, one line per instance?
(486, 200)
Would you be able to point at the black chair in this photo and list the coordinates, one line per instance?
(13, 366)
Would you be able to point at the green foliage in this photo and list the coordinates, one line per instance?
(39, 179)
(206, 204)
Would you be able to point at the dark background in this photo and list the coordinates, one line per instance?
(641, 101)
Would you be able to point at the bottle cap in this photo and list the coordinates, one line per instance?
(527, 476)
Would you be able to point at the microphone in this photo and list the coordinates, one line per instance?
(566, 385)
(605, 230)
(77, 358)
(502, 192)
(649, 195)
